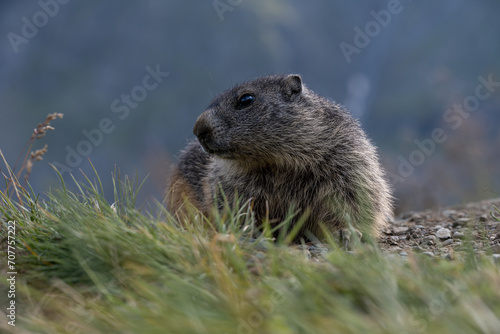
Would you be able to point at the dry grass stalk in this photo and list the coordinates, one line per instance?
(30, 157)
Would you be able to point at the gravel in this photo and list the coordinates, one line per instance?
(439, 232)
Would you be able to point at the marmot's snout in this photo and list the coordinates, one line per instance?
(204, 132)
(208, 134)
(202, 128)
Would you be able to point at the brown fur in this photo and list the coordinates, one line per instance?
(285, 147)
(183, 191)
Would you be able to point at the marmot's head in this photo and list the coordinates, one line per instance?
(264, 119)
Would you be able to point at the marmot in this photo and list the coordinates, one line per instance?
(275, 142)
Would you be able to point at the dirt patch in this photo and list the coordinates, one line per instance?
(445, 231)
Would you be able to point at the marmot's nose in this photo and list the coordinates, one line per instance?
(202, 128)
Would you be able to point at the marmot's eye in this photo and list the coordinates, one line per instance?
(245, 100)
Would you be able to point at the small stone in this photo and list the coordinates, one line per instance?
(430, 254)
(419, 226)
(447, 242)
(496, 258)
(458, 235)
(416, 218)
(443, 233)
(449, 213)
(429, 240)
(460, 222)
(437, 227)
(387, 231)
(495, 249)
(317, 250)
(394, 240)
(407, 215)
(403, 254)
(483, 218)
(400, 230)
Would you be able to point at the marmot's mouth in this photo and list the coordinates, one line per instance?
(211, 148)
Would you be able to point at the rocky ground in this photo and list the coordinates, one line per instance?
(446, 231)
(440, 232)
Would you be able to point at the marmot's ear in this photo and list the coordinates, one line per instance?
(292, 85)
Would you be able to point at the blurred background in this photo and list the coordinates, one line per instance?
(423, 77)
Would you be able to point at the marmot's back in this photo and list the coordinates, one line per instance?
(275, 142)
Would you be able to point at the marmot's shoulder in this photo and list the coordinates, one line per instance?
(187, 177)
(193, 161)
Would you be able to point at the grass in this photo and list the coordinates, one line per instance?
(85, 265)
